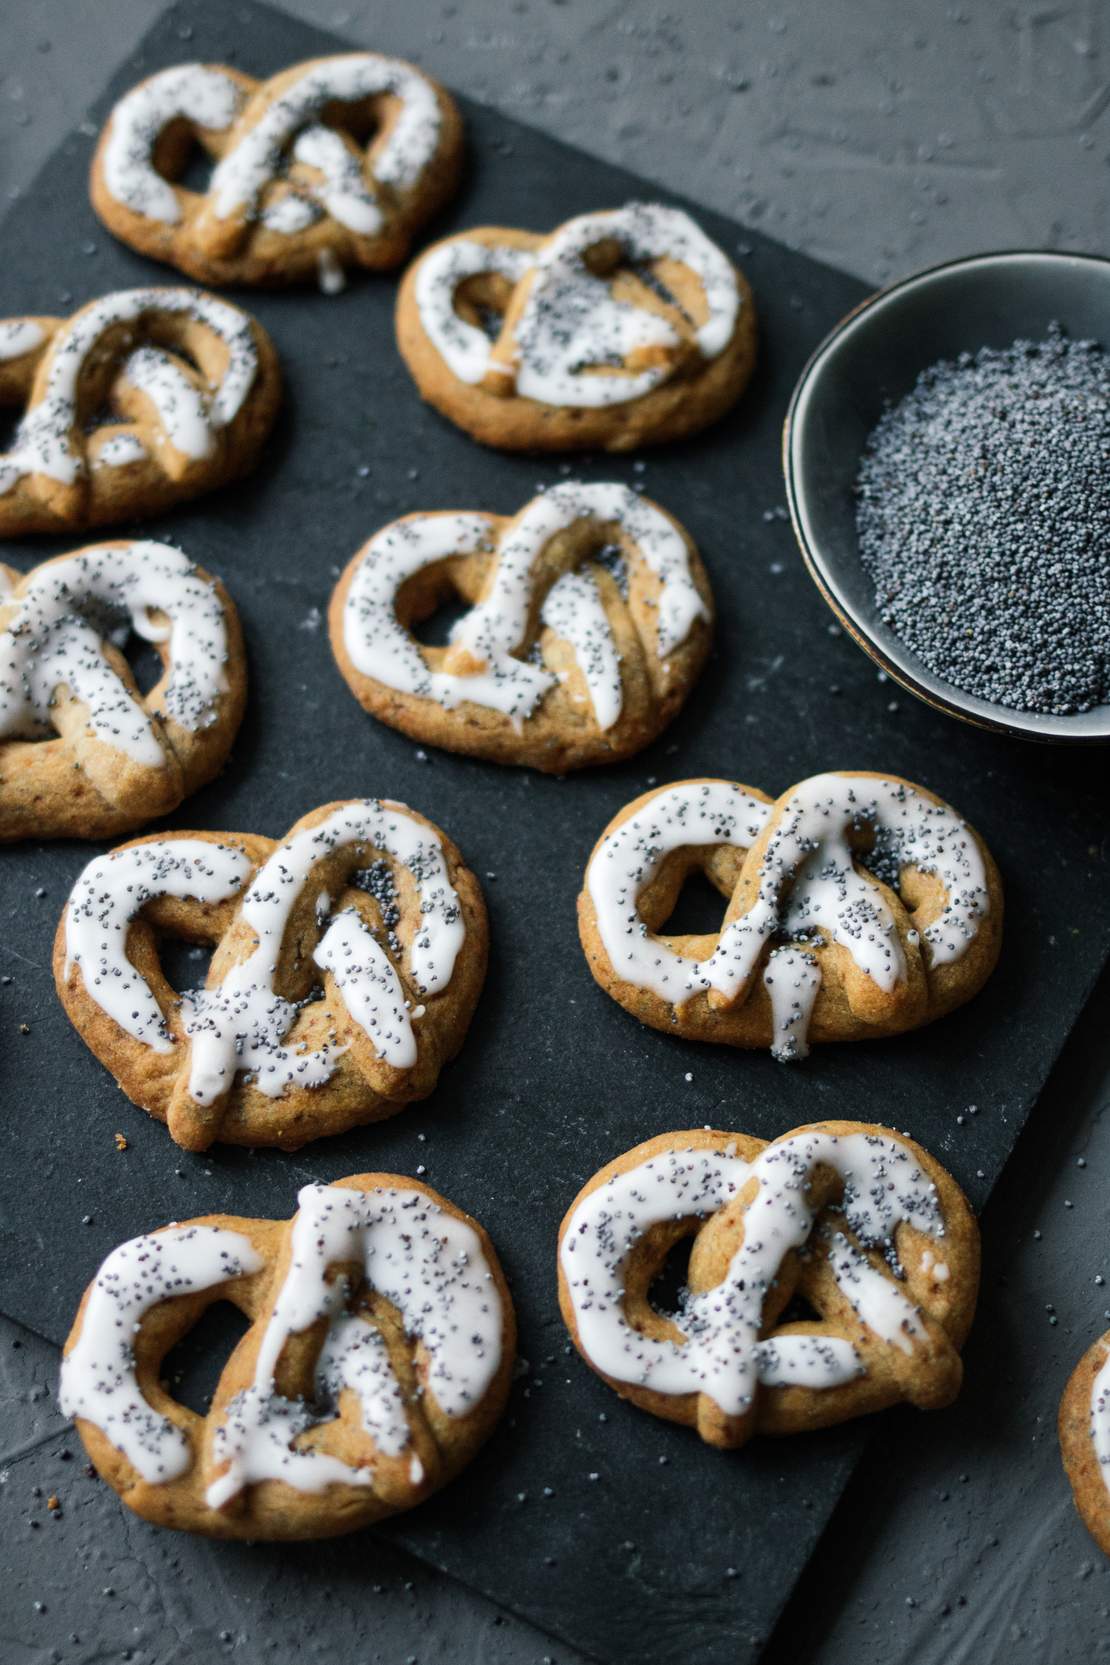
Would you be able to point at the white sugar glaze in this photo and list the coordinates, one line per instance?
(370, 987)
(431, 1266)
(181, 405)
(495, 628)
(112, 891)
(342, 191)
(810, 888)
(98, 1379)
(573, 334)
(464, 348)
(54, 639)
(723, 1354)
(1100, 1419)
(256, 158)
(241, 1025)
(19, 336)
(47, 441)
(119, 450)
(196, 93)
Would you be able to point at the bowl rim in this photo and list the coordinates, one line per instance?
(980, 713)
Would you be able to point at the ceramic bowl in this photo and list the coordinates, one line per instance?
(873, 357)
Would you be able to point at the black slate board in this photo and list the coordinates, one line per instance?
(673, 1550)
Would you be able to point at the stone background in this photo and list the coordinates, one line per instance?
(878, 138)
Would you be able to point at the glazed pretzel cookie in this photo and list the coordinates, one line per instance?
(83, 753)
(619, 329)
(1085, 1439)
(377, 1361)
(348, 958)
(332, 164)
(858, 905)
(590, 617)
(855, 1220)
(190, 385)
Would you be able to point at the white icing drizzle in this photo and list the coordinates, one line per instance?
(573, 334)
(46, 441)
(54, 638)
(181, 405)
(792, 978)
(241, 175)
(723, 1354)
(432, 1268)
(331, 279)
(98, 1379)
(19, 336)
(112, 891)
(1100, 1419)
(342, 190)
(290, 213)
(573, 609)
(370, 987)
(936, 1269)
(464, 348)
(810, 888)
(494, 629)
(120, 450)
(196, 93)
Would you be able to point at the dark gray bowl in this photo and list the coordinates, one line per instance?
(875, 355)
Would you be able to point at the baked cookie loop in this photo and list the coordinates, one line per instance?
(1085, 1439)
(347, 961)
(855, 1220)
(858, 905)
(620, 329)
(330, 165)
(84, 753)
(143, 399)
(378, 1359)
(589, 618)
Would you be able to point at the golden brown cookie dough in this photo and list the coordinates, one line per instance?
(1084, 1426)
(856, 905)
(378, 1360)
(347, 961)
(84, 753)
(589, 619)
(191, 387)
(332, 164)
(622, 328)
(855, 1220)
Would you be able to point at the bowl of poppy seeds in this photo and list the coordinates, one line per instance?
(947, 458)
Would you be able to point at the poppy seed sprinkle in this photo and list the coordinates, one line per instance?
(983, 517)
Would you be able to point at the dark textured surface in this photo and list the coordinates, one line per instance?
(579, 1124)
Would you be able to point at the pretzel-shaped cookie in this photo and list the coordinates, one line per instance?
(858, 905)
(83, 753)
(365, 901)
(562, 660)
(619, 329)
(855, 1220)
(333, 163)
(378, 1360)
(1084, 1427)
(192, 384)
